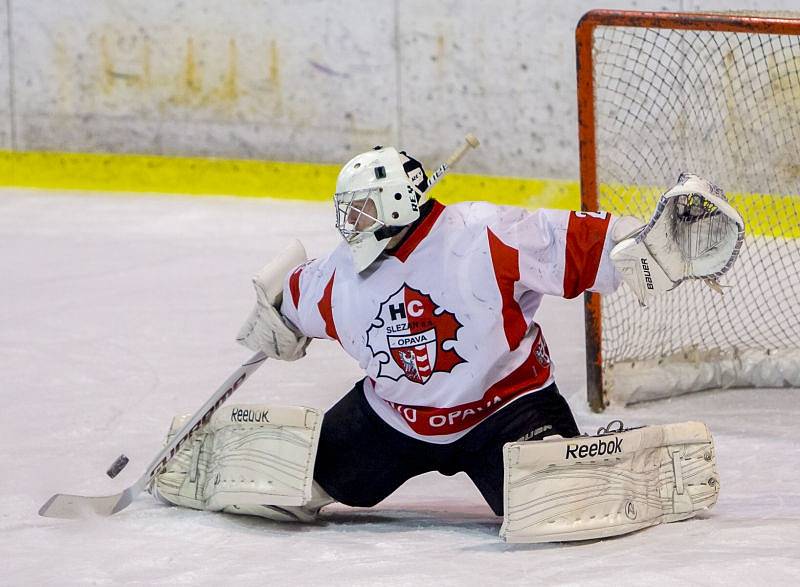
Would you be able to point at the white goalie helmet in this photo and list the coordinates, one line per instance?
(378, 193)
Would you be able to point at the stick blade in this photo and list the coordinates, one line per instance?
(65, 506)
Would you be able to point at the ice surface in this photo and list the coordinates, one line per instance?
(118, 311)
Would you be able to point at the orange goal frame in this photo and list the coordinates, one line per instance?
(584, 35)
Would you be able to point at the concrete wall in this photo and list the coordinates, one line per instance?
(5, 77)
(301, 80)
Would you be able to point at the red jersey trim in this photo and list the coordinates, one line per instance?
(586, 235)
(294, 285)
(419, 233)
(326, 309)
(505, 260)
(531, 375)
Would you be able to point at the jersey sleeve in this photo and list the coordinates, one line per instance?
(307, 292)
(559, 252)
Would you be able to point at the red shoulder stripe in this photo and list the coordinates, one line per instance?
(294, 285)
(586, 234)
(326, 309)
(505, 260)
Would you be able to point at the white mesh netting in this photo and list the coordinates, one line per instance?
(725, 106)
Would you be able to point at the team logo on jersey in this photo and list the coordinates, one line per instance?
(542, 355)
(412, 337)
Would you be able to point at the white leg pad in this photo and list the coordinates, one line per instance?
(597, 486)
(246, 459)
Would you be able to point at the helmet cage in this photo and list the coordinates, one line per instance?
(358, 212)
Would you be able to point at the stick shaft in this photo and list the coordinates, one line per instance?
(78, 506)
(203, 415)
(470, 142)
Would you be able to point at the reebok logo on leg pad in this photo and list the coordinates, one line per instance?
(597, 448)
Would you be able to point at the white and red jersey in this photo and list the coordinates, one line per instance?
(443, 325)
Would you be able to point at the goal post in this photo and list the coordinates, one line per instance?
(716, 94)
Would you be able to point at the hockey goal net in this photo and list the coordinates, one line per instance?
(717, 95)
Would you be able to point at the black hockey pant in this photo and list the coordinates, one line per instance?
(361, 460)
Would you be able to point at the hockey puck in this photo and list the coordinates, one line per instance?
(117, 466)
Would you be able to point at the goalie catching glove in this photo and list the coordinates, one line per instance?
(694, 234)
(266, 329)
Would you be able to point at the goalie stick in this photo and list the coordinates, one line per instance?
(471, 142)
(63, 505)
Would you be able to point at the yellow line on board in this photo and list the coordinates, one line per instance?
(174, 175)
(511, 191)
(242, 177)
(764, 214)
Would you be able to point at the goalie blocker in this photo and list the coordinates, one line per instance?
(614, 483)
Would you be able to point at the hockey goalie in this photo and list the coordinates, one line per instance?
(437, 304)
